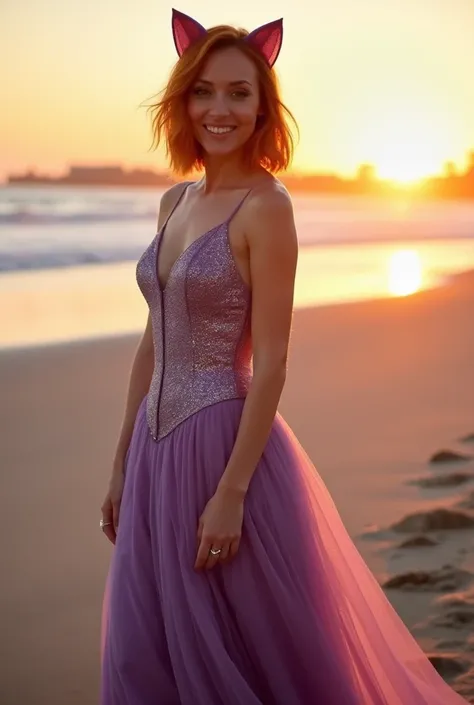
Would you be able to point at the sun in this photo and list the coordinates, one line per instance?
(405, 273)
(406, 160)
(406, 143)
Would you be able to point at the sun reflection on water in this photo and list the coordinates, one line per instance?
(405, 273)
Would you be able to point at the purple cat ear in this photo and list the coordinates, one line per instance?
(185, 31)
(267, 39)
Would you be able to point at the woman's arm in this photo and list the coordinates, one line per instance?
(139, 384)
(273, 248)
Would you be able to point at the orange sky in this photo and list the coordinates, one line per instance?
(386, 82)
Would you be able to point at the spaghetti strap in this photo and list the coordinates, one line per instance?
(178, 201)
(237, 208)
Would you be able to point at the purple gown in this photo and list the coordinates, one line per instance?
(296, 618)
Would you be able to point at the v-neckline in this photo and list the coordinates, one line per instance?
(160, 233)
(159, 240)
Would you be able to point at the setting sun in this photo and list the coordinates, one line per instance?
(404, 273)
(406, 142)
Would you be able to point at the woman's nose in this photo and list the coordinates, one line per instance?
(219, 105)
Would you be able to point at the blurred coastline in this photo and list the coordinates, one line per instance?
(452, 183)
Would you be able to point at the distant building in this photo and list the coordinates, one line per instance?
(366, 173)
(470, 163)
(97, 176)
(86, 171)
(449, 170)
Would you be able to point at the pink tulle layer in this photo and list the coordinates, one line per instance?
(297, 618)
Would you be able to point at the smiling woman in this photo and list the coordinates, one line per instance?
(225, 80)
(233, 579)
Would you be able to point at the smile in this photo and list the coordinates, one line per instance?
(219, 130)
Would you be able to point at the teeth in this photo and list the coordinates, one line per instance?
(219, 130)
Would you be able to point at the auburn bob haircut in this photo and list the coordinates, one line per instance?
(272, 142)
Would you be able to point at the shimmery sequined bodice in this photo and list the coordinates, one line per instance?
(201, 329)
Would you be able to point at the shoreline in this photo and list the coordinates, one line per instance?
(138, 310)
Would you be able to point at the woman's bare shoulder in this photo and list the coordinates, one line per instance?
(169, 199)
(270, 200)
(269, 219)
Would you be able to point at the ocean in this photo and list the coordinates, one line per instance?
(67, 255)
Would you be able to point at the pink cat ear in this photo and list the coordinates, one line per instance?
(267, 39)
(185, 31)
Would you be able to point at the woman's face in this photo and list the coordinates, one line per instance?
(224, 102)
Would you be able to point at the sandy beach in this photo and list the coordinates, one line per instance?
(374, 391)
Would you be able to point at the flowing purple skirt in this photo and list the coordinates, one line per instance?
(296, 618)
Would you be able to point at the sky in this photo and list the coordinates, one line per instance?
(387, 82)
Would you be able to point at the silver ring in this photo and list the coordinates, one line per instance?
(215, 551)
(103, 523)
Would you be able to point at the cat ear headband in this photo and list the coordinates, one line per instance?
(267, 39)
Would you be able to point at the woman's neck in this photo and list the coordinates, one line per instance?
(226, 174)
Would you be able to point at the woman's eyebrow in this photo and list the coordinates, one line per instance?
(231, 83)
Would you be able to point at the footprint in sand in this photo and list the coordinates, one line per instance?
(448, 456)
(445, 579)
(453, 479)
(434, 520)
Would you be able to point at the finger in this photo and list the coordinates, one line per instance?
(202, 554)
(233, 548)
(115, 515)
(199, 534)
(212, 560)
(224, 554)
(109, 531)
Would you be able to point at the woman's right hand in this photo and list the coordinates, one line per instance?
(111, 505)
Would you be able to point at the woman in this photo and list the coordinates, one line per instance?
(233, 580)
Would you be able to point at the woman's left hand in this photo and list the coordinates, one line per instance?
(220, 527)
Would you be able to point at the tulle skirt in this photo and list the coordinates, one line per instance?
(296, 618)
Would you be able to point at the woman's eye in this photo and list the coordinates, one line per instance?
(236, 94)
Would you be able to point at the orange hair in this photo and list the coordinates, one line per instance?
(271, 144)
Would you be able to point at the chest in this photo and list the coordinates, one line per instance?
(205, 272)
(185, 229)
